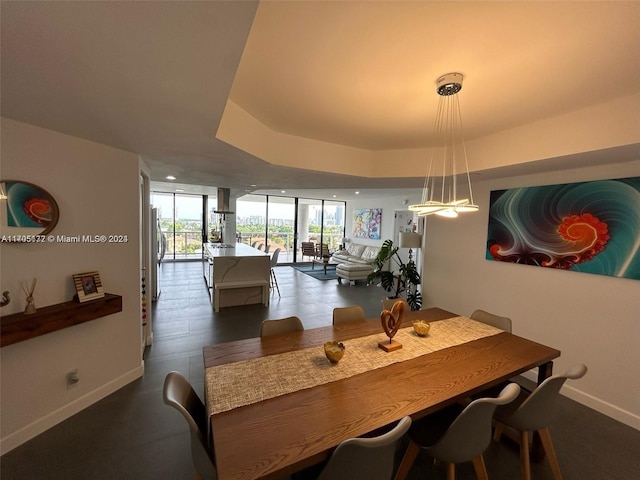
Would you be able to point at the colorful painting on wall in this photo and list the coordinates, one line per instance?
(590, 227)
(367, 223)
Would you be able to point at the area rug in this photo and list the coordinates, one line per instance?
(318, 271)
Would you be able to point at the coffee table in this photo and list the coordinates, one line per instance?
(320, 261)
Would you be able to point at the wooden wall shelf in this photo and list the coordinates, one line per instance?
(18, 326)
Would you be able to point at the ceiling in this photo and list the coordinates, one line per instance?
(155, 78)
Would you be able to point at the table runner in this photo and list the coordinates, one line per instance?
(242, 383)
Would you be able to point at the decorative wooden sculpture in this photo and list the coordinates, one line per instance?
(391, 321)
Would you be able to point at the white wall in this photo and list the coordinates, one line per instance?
(97, 191)
(389, 205)
(592, 319)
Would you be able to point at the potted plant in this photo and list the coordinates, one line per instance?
(404, 283)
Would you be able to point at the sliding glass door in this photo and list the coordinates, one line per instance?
(268, 222)
(309, 224)
(281, 213)
(251, 219)
(333, 224)
(284, 222)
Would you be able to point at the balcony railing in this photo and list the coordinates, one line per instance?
(187, 244)
(284, 241)
(184, 244)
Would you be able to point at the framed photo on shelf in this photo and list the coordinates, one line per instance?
(88, 286)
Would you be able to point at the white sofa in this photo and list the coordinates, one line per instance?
(355, 262)
(356, 253)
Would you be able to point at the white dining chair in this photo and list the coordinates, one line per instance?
(456, 434)
(366, 458)
(533, 412)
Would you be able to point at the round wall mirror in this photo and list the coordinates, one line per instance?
(27, 212)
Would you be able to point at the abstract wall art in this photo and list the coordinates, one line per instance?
(27, 212)
(590, 227)
(367, 222)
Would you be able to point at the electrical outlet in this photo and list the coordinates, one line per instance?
(73, 378)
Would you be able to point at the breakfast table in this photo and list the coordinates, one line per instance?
(277, 405)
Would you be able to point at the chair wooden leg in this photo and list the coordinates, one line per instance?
(451, 471)
(480, 468)
(525, 465)
(497, 432)
(545, 438)
(407, 460)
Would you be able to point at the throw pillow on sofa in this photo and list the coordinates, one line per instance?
(355, 249)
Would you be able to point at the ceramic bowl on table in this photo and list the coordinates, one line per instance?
(421, 327)
(334, 351)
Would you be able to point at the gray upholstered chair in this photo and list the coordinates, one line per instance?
(503, 323)
(343, 315)
(533, 412)
(370, 458)
(454, 435)
(282, 325)
(179, 394)
(274, 262)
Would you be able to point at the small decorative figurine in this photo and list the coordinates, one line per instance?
(391, 321)
(31, 307)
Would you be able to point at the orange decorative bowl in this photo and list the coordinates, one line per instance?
(334, 351)
(421, 327)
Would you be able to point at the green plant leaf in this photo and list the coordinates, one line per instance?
(414, 300)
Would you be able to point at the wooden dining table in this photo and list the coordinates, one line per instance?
(275, 437)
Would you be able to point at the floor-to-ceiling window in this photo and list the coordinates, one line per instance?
(281, 214)
(268, 222)
(181, 221)
(333, 224)
(309, 222)
(284, 222)
(251, 219)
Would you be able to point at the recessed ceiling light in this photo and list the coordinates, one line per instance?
(170, 177)
(357, 193)
(179, 190)
(283, 191)
(334, 196)
(253, 185)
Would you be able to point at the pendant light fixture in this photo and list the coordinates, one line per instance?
(447, 186)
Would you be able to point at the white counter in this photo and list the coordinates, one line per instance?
(237, 275)
(215, 250)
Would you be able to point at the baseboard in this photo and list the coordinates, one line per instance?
(595, 403)
(41, 425)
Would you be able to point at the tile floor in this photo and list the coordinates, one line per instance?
(131, 434)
